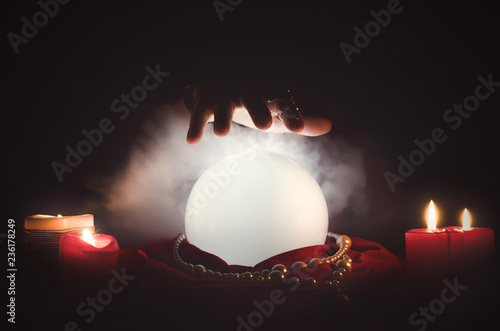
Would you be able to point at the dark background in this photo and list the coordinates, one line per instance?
(396, 90)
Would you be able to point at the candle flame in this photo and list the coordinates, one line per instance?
(466, 220)
(431, 216)
(87, 237)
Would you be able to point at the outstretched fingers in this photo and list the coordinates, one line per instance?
(258, 110)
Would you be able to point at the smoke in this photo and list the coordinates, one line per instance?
(148, 198)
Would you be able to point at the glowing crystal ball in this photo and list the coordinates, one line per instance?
(255, 204)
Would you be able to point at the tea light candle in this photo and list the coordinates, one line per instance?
(59, 222)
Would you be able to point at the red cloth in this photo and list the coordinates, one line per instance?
(179, 299)
(374, 267)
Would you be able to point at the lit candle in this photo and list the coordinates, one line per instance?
(479, 242)
(88, 255)
(470, 246)
(42, 233)
(427, 249)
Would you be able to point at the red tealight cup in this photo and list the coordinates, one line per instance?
(88, 256)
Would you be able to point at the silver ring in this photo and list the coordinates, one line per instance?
(279, 113)
(286, 104)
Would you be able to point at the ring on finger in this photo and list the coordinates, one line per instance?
(279, 113)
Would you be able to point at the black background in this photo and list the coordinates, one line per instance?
(396, 90)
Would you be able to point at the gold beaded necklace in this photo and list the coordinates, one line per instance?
(278, 273)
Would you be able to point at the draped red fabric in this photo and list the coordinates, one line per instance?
(227, 304)
(373, 265)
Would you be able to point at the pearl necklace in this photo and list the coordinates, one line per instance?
(279, 272)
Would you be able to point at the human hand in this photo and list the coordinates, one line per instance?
(246, 105)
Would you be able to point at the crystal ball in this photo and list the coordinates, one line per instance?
(255, 204)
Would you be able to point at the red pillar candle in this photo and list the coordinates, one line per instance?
(427, 249)
(470, 246)
(88, 255)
